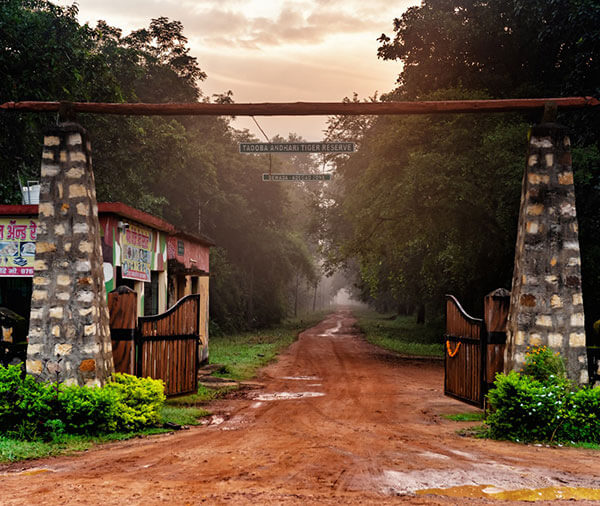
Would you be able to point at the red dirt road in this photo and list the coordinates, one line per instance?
(369, 432)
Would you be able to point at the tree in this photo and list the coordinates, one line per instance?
(416, 201)
(171, 167)
(509, 48)
(514, 48)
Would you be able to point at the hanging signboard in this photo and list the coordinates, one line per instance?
(136, 244)
(296, 177)
(17, 247)
(297, 147)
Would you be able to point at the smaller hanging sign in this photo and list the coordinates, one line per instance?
(296, 177)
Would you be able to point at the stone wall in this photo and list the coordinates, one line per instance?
(69, 334)
(546, 300)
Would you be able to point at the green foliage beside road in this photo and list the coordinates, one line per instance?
(32, 410)
(428, 204)
(42, 419)
(542, 405)
(242, 354)
(401, 334)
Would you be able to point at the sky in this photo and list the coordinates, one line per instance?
(274, 51)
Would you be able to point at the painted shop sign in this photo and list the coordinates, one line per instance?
(136, 244)
(17, 247)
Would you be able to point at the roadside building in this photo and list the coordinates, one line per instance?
(146, 253)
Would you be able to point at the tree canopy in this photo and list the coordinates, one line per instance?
(187, 170)
(429, 204)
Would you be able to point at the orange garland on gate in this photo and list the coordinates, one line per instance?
(450, 352)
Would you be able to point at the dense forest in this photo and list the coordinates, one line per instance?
(426, 206)
(429, 204)
(186, 169)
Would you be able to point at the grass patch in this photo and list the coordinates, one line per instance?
(244, 353)
(12, 450)
(588, 446)
(465, 417)
(401, 334)
(182, 415)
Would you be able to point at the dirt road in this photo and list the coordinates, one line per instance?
(337, 422)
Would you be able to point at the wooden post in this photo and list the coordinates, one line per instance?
(122, 305)
(496, 306)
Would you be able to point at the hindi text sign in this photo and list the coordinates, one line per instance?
(136, 244)
(17, 247)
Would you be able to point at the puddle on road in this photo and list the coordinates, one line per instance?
(530, 495)
(282, 396)
(256, 405)
(332, 331)
(432, 455)
(235, 423)
(32, 472)
(464, 454)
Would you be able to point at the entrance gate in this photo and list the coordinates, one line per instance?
(463, 359)
(548, 169)
(163, 346)
(474, 347)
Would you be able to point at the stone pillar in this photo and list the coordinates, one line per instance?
(69, 334)
(546, 305)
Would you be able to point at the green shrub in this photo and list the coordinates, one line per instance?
(35, 410)
(88, 410)
(542, 364)
(582, 421)
(524, 409)
(542, 405)
(140, 400)
(25, 405)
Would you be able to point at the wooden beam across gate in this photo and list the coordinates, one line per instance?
(304, 108)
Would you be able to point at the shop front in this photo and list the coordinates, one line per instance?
(139, 250)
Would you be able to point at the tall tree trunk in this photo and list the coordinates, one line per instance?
(421, 314)
(315, 297)
(251, 318)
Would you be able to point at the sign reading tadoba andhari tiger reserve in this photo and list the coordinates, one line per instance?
(297, 147)
(136, 244)
(17, 247)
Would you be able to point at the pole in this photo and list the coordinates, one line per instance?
(303, 108)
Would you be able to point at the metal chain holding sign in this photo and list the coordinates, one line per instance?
(266, 137)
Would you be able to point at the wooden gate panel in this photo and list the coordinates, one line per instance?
(122, 304)
(496, 306)
(169, 346)
(464, 354)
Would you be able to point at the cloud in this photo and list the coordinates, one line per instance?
(252, 24)
(303, 22)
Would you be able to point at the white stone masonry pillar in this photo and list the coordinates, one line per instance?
(546, 301)
(69, 334)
